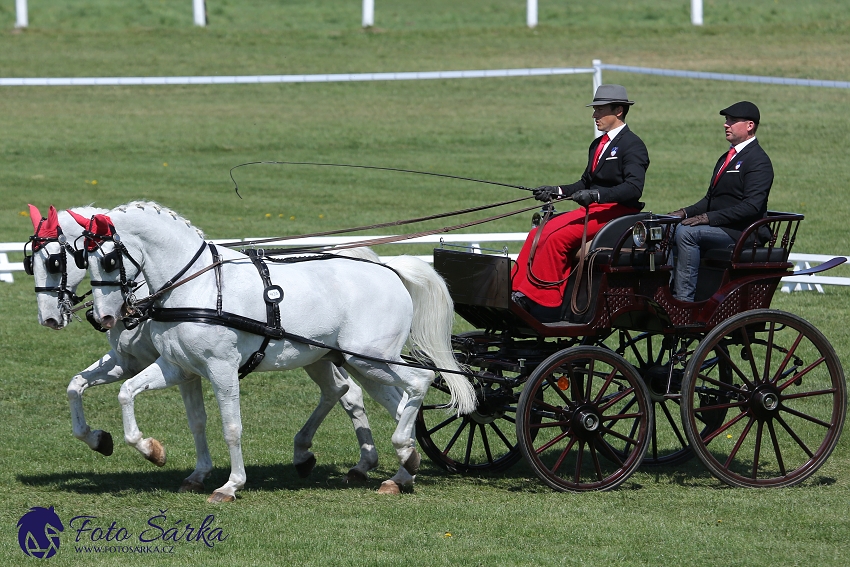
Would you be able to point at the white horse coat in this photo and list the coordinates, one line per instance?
(133, 350)
(358, 307)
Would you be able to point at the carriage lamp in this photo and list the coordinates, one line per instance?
(647, 234)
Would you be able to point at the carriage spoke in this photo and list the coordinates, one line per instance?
(795, 437)
(751, 357)
(776, 449)
(725, 356)
(757, 450)
(706, 409)
(469, 443)
(554, 387)
(829, 392)
(555, 440)
(589, 384)
(609, 454)
(455, 437)
(439, 426)
(605, 386)
(620, 436)
(788, 355)
(768, 352)
(596, 466)
(806, 417)
(674, 424)
(485, 442)
(740, 442)
(802, 373)
(620, 395)
(579, 462)
(501, 436)
(563, 454)
(710, 437)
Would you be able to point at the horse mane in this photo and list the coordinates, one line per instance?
(143, 205)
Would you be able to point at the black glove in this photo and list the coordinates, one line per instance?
(546, 192)
(585, 197)
(677, 213)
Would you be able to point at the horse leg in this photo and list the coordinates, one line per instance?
(333, 385)
(416, 383)
(193, 400)
(157, 376)
(352, 403)
(225, 383)
(105, 371)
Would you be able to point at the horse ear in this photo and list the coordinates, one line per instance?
(52, 224)
(81, 220)
(35, 216)
(102, 225)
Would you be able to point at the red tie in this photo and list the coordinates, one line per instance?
(602, 142)
(729, 157)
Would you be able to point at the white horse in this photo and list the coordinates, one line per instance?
(133, 350)
(338, 309)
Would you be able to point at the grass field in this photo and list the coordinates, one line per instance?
(109, 145)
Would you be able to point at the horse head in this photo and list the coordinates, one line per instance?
(56, 275)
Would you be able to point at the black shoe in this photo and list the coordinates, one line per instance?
(540, 312)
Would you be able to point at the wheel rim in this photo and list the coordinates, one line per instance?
(574, 406)
(782, 412)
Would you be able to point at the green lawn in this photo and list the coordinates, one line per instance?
(175, 145)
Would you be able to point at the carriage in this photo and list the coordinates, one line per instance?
(631, 376)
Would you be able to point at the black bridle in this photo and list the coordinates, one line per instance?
(109, 262)
(55, 264)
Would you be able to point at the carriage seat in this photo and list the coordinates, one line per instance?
(723, 256)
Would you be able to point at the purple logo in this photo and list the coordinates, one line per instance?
(38, 532)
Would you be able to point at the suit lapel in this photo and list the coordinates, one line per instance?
(737, 158)
(611, 144)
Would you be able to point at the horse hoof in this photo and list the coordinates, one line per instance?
(304, 469)
(412, 463)
(157, 454)
(192, 486)
(354, 476)
(220, 497)
(104, 444)
(389, 487)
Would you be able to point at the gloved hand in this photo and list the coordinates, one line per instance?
(678, 213)
(697, 220)
(585, 197)
(546, 192)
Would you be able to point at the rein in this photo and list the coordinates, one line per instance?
(380, 225)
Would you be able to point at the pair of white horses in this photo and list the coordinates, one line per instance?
(352, 307)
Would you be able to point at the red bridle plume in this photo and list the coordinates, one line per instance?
(99, 227)
(45, 228)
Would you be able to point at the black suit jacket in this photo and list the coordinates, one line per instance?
(740, 196)
(621, 172)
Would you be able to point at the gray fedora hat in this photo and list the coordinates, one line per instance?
(611, 94)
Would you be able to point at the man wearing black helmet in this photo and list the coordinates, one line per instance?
(611, 186)
(737, 196)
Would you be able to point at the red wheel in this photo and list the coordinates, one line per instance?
(575, 406)
(781, 414)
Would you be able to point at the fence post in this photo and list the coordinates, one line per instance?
(696, 12)
(22, 18)
(531, 13)
(597, 80)
(200, 11)
(368, 13)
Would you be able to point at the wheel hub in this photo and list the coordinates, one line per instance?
(586, 421)
(765, 401)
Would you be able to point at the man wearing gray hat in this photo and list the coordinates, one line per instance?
(737, 196)
(610, 187)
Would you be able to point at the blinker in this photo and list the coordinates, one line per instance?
(110, 261)
(81, 259)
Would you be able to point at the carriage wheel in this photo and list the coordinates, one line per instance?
(783, 409)
(484, 440)
(649, 353)
(574, 407)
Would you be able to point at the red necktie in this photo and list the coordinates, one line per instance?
(729, 157)
(602, 142)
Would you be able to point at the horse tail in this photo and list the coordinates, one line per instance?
(362, 253)
(431, 328)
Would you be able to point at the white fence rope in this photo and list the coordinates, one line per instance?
(473, 242)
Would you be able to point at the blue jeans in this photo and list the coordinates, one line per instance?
(689, 243)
